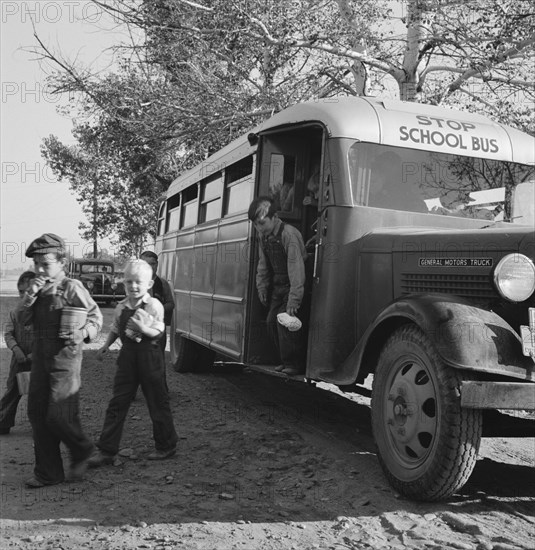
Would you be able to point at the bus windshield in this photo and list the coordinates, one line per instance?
(439, 183)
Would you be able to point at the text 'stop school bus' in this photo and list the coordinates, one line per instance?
(420, 272)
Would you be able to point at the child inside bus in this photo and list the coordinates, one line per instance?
(313, 188)
(280, 281)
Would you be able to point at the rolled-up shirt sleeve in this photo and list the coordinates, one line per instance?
(296, 254)
(155, 308)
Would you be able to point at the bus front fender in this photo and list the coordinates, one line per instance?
(465, 336)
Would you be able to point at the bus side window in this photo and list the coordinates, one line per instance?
(161, 219)
(211, 191)
(189, 206)
(173, 213)
(238, 186)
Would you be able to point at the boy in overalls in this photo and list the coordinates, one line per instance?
(53, 398)
(140, 361)
(280, 280)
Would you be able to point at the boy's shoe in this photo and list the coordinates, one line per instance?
(99, 458)
(78, 470)
(4, 431)
(34, 483)
(279, 368)
(162, 455)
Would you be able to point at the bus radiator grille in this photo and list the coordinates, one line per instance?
(468, 286)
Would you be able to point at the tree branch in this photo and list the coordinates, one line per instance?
(477, 72)
(327, 48)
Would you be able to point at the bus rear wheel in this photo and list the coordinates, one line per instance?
(427, 443)
(189, 356)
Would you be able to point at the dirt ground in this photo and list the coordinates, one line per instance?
(262, 463)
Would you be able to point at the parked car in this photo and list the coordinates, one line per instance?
(100, 278)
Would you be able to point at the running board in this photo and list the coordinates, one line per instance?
(270, 369)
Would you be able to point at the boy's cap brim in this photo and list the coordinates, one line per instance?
(46, 243)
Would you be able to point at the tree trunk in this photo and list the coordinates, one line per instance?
(408, 83)
(95, 221)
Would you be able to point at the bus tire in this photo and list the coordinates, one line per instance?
(427, 444)
(189, 356)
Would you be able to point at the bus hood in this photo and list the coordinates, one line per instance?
(460, 263)
(414, 245)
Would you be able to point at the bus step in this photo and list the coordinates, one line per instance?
(270, 369)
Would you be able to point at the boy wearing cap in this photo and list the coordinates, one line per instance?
(140, 362)
(53, 398)
(280, 280)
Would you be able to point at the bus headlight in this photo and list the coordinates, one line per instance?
(90, 285)
(114, 286)
(514, 277)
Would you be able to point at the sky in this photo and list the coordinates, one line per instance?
(32, 201)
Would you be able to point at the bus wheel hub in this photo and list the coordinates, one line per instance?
(402, 419)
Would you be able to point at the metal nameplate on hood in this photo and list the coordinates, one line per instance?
(455, 262)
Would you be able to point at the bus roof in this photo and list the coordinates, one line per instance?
(387, 122)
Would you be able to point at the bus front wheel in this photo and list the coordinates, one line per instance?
(427, 444)
(189, 356)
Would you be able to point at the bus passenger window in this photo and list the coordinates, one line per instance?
(238, 186)
(161, 219)
(281, 181)
(173, 213)
(211, 191)
(189, 206)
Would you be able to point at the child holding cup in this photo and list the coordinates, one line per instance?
(53, 398)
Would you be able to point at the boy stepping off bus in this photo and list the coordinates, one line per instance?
(280, 282)
(139, 322)
(53, 397)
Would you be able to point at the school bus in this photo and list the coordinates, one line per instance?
(421, 272)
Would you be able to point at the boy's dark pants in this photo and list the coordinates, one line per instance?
(139, 363)
(10, 400)
(53, 408)
(291, 345)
